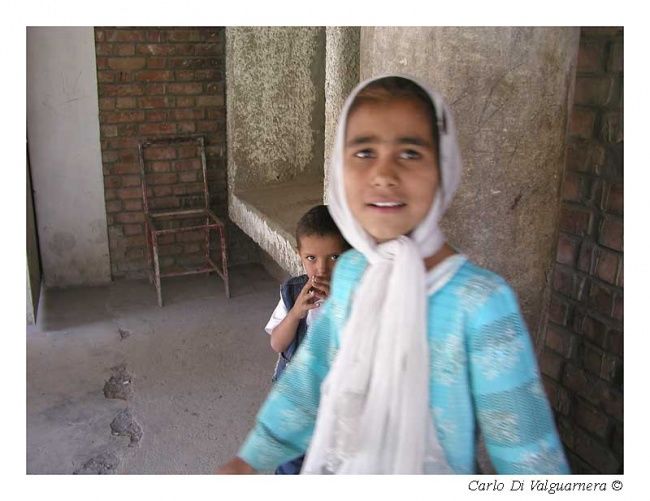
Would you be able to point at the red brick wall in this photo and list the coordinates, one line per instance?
(156, 82)
(582, 360)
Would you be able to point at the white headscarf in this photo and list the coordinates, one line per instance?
(374, 412)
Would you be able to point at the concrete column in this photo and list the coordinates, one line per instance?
(275, 94)
(510, 91)
(65, 156)
(341, 75)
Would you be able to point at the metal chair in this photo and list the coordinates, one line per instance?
(174, 208)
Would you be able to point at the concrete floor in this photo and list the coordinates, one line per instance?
(201, 367)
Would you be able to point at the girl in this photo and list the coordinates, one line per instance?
(417, 349)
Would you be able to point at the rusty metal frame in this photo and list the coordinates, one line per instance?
(212, 222)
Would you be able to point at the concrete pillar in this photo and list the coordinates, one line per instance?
(275, 94)
(65, 156)
(510, 91)
(341, 75)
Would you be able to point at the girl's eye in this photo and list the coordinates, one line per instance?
(409, 155)
(311, 258)
(334, 257)
(364, 154)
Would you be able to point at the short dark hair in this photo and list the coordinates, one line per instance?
(318, 221)
(391, 88)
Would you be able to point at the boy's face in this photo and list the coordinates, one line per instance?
(319, 254)
(390, 166)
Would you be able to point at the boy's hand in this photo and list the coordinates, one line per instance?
(322, 284)
(308, 298)
(235, 466)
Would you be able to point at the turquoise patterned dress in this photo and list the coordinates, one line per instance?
(483, 377)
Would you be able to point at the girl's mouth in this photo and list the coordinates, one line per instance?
(386, 206)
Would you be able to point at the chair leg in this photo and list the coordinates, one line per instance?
(147, 230)
(207, 245)
(157, 271)
(224, 260)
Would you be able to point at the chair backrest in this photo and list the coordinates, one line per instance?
(173, 173)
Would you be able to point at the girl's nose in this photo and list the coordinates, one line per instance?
(385, 173)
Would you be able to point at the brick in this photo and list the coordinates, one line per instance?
(188, 151)
(126, 129)
(156, 49)
(591, 56)
(606, 266)
(612, 369)
(105, 76)
(208, 49)
(156, 102)
(193, 248)
(129, 217)
(101, 62)
(169, 250)
(122, 35)
(156, 63)
(185, 101)
(592, 359)
(189, 236)
(100, 35)
(157, 128)
(575, 220)
(106, 103)
(207, 75)
(600, 299)
(611, 233)
(122, 142)
(154, 75)
(186, 127)
(113, 206)
(611, 128)
(107, 130)
(134, 204)
(183, 35)
(156, 116)
(109, 156)
(133, 89)
(567, 249)
(135, 253)
(162, 191)
(594, 330)
(125, 102)
(184, 75)
(154, 89)
(122, 116)
(214, 88)
(128, 181)
(188, 189)
(617, 309)
(615, 342)
(126, 63)
(209, 101)
(125, 49)
(185, 88)
(592, 91)
(615, 59)
(158, 166)
(585, 156)
(560, 341)
(207, 126)
(167, 238)
(614, 199)
(586, 256)
(187, 177)
(162, 178)
(133, 229)
(617, 440)
(156, 36)
(164, 203)
(128, 155)
(601, 31)
(127, 193)
(112, 182)
(590, 419)
(581, 122)
(125, 168)
(188, 114)
(557, 311)
(211, 34)
(611, 401)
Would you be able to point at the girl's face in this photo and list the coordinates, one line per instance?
(390, 166)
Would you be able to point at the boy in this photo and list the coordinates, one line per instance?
(417, 349)
(319, 244)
